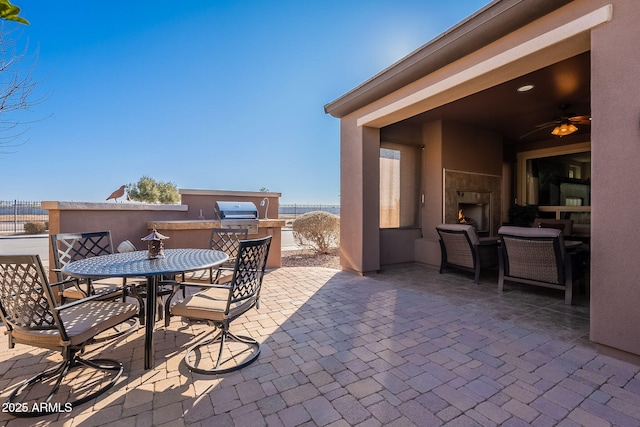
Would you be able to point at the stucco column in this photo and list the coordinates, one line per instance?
(615, 145)
(427, 249)
(359, 197)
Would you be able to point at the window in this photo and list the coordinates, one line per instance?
(558, 181)
(399, 177)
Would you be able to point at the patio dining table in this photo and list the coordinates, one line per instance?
(136, 264)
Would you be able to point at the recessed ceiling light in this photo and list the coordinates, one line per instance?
(525, 88)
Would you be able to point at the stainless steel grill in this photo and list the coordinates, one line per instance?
(238, 215)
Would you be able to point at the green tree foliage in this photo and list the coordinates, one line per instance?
(317, 230)
(149, 190)
(10, 12)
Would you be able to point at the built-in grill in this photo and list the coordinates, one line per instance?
(238, 215)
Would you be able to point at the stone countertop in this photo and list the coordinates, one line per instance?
(206, 224)
(102, 206)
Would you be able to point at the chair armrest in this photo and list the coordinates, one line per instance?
(83, 300)
(204, 285)
(177, 285)
(63, 282)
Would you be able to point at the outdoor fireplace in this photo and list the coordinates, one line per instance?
(474, 208)
(478, 195)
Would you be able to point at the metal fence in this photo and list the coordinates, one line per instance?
(14, 214)
(293, 211)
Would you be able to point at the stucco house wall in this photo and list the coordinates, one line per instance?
(615, 136)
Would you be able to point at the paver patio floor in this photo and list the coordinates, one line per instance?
(405, 347)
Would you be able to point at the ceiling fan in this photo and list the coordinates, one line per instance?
(563, 125)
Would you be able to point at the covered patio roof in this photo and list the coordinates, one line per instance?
(556, 63)
(490, 23)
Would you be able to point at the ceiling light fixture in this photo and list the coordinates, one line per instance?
(525, 88)
(564, 128)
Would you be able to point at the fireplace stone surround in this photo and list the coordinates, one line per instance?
(480, 197)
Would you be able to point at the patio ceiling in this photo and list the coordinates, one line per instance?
(506, 111)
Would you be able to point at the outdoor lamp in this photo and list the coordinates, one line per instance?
(155, 246)
(262, 203)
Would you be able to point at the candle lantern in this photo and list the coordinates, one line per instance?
(155, 245)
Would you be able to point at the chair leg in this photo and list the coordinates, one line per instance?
(568, 281)
(501, 269)
(137, 296)
(568, 294)
(167, 307)
(221, 338)
(71, 360)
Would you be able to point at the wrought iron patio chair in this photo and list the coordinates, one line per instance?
(535, 256)
(221, 304)
(225, 240)
(461, 248)
(29, 312)
(69, 247)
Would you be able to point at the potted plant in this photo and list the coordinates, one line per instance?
(523, 216)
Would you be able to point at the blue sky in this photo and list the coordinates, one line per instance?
(224, 95)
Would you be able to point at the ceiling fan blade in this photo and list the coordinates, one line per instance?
(580, 120)
(538, 129)
(548, 124)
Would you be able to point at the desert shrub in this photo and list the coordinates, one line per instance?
(318, 230)
(34, 227)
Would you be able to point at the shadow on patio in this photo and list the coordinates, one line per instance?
(405, 347)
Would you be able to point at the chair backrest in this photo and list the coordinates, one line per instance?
(566, 225)
(228, 241)
(457, 241)
(251, 263)
(533, 253)
(26, 299)
(69, 247)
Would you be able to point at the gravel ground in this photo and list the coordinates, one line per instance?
(307, 258)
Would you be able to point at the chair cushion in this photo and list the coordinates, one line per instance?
(198, 276)
(210, 304)
(82, 322)
(529, 231)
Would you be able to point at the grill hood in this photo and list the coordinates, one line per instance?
(236, 210)
(238, 215)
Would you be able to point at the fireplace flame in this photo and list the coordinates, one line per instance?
(461, 218)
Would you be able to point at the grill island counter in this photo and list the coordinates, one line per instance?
(196, 234)
(188, 225)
